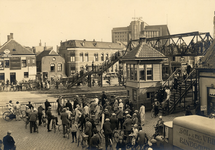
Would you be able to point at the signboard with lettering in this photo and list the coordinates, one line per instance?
(15, 63)
(212, 92)
(185, 138)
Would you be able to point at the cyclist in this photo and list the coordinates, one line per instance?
(10, 106)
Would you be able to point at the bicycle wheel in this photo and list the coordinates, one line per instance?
(60, 128)
(152, 113)
(5, 114)
(116, 136)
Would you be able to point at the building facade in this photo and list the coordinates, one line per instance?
(50, 65)
(143, 73)
(214, 25)
(81, 54)
(136, 29)
(16, 62)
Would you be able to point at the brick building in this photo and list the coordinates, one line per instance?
(16, 62)
(80, 54)
(50, 65)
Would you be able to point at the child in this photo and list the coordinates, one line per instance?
(74, 130)
(121, 145)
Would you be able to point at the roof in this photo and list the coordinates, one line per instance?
(90, 44)
(208, 59)
(46, 53)
(15, 48)
(144, 52)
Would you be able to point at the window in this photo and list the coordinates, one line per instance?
(142, 72)
(131, 72)
(7, 64)
(1, 65)
(86, 57)
(52, 68)
(81, 57)
(72, 58)
(112, 68)
(128, 93)
(149, 72)
(33, 60)
(116, 69)
(2, 77)
(59, 67)
(24, 63)
(135, 72)
(102, 57)
(106, 57)
(25, 74)
(134, 95)
(128, 71)
(149, 95)
(96, 58)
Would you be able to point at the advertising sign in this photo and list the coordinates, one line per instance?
(15, 63)
(185, 138)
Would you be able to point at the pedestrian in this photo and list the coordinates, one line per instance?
(142, 138)
(121, 144)
(32, 119)
(50, 117)
(114, 122)
(30, 106)
(115, 105)
(95, 141)
(86, 110)
(121, 105)
(88, 129)
(65, 120)
(127, 124)
(142, 114)
(17, 108)
(74, 130)
(107, 132)
(135, 119)
(119, 115)
(40, 113)
(47, 105)
(104, 96)
(68, 104)
(59, 105)
(8, 141)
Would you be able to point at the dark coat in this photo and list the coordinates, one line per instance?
(127, 124)
(40, 110)
(88, 128)
(47, 104)
(33, 116)
(114, 123)
(142, 138)
(8, 142)
(107, 128)
(68, 104)
(64, 118)
(49, 114)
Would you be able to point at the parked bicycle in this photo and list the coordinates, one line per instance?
(9, 115)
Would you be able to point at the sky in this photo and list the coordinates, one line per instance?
(53, 21)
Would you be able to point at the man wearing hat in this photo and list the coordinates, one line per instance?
(50, 117)
(141, 138)
(33, 119)
(8, 141)
(103, 98)
(47, 104)
(107, 132)
(127, 124)
(40, 113)
(114, 122)
(65, 120)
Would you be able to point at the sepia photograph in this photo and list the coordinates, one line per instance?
(107, 75)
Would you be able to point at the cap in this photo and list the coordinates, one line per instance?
(136, 111)
(113, 114)
(9, 132)
(107, 119)
(134, 114)
(120, 100)
(160, 117)
(135, 126)
(126, 112)
(128, 115)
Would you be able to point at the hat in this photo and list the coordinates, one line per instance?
(113, 114)
(9, 132)
(107, 119)
(10, 101)
(120, 100)
(17, 102)
(135, 126)
(134, 114)
(128, 115)
(35, 109)
(160, 117)
(126, 112)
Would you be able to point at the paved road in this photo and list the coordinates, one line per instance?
(48, 140)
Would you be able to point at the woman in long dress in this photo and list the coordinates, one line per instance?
(142, 114)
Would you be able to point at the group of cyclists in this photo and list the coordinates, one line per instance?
(91, 120)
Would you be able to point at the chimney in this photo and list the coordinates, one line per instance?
(11, 36)
(8, 37)
(45, 47)
(40, 44)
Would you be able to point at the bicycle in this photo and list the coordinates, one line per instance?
(54, 125)
(67, 133)
(9, 115)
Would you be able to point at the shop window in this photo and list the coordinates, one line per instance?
(96, 57)
(86, 57)
(2, 78)
(102, 57)
(24, 63)
(149, 72)
(142, 72)
(52, 67)
(25, 74)
(134, 95)
(72, 57)
(7, 63)
(59, 67)
(81, 57)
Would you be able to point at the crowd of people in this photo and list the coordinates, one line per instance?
(87, 117)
